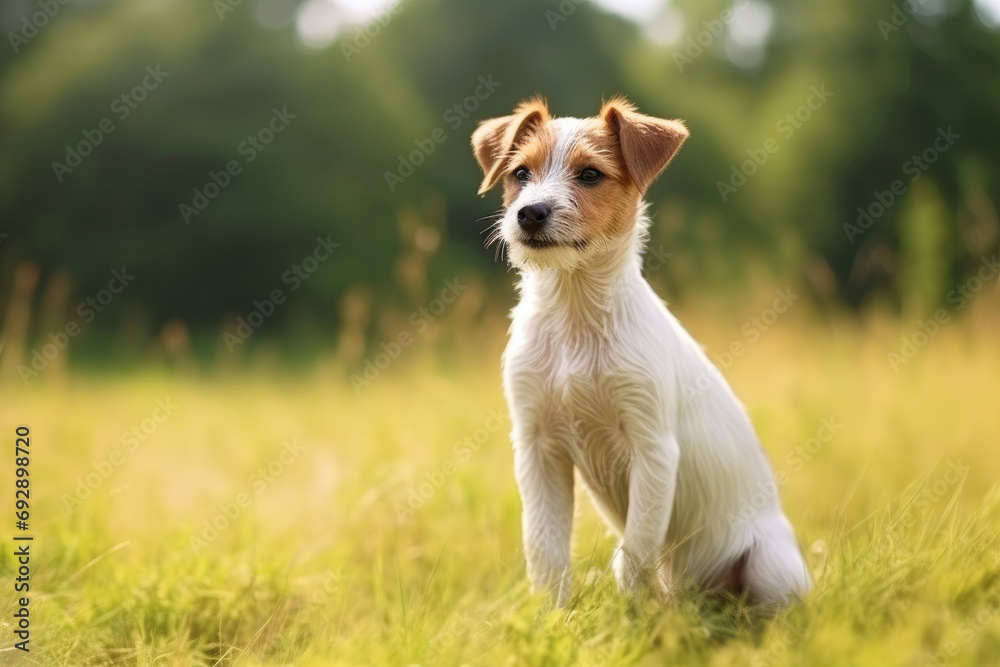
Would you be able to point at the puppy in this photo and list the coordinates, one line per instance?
(599, 376)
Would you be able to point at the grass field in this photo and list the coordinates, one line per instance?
(383, 528)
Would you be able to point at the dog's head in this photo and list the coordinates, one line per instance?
(571, 185)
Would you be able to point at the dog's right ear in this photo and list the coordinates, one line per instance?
(494, 139)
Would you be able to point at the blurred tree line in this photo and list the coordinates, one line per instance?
(142, 134)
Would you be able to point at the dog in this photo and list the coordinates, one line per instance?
(600, 377)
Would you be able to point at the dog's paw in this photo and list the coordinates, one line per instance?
(631, 576)
(636, 578)
(557, 581)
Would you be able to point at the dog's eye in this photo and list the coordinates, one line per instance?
(589, 176)
(521, 174)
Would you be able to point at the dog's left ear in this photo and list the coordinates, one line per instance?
(648, 144)
(494, 138)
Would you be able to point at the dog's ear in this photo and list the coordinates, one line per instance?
(648, 144)
(494, 139)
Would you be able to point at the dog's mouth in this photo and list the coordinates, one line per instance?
(542, 243)
(539, 244)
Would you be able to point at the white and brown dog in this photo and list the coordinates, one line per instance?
(600, 376)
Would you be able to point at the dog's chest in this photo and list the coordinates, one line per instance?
(582, 399)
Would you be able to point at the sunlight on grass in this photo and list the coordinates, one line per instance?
(286, 520)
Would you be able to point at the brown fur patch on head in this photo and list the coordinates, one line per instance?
(606, 208)
(647, 143)
(495, 139)
(599, 150)
(534, 153)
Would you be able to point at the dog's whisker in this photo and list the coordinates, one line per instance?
(494, 236)
(496, 214)
(493, 228)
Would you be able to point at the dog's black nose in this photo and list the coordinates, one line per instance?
(532, 217)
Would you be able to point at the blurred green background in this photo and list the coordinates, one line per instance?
(368, 89)
(214, 153)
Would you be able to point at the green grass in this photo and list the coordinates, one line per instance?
(323, 568)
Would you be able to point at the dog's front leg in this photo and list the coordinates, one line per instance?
(651, 488)
(545, 479)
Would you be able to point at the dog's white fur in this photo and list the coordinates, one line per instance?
(599, 376)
